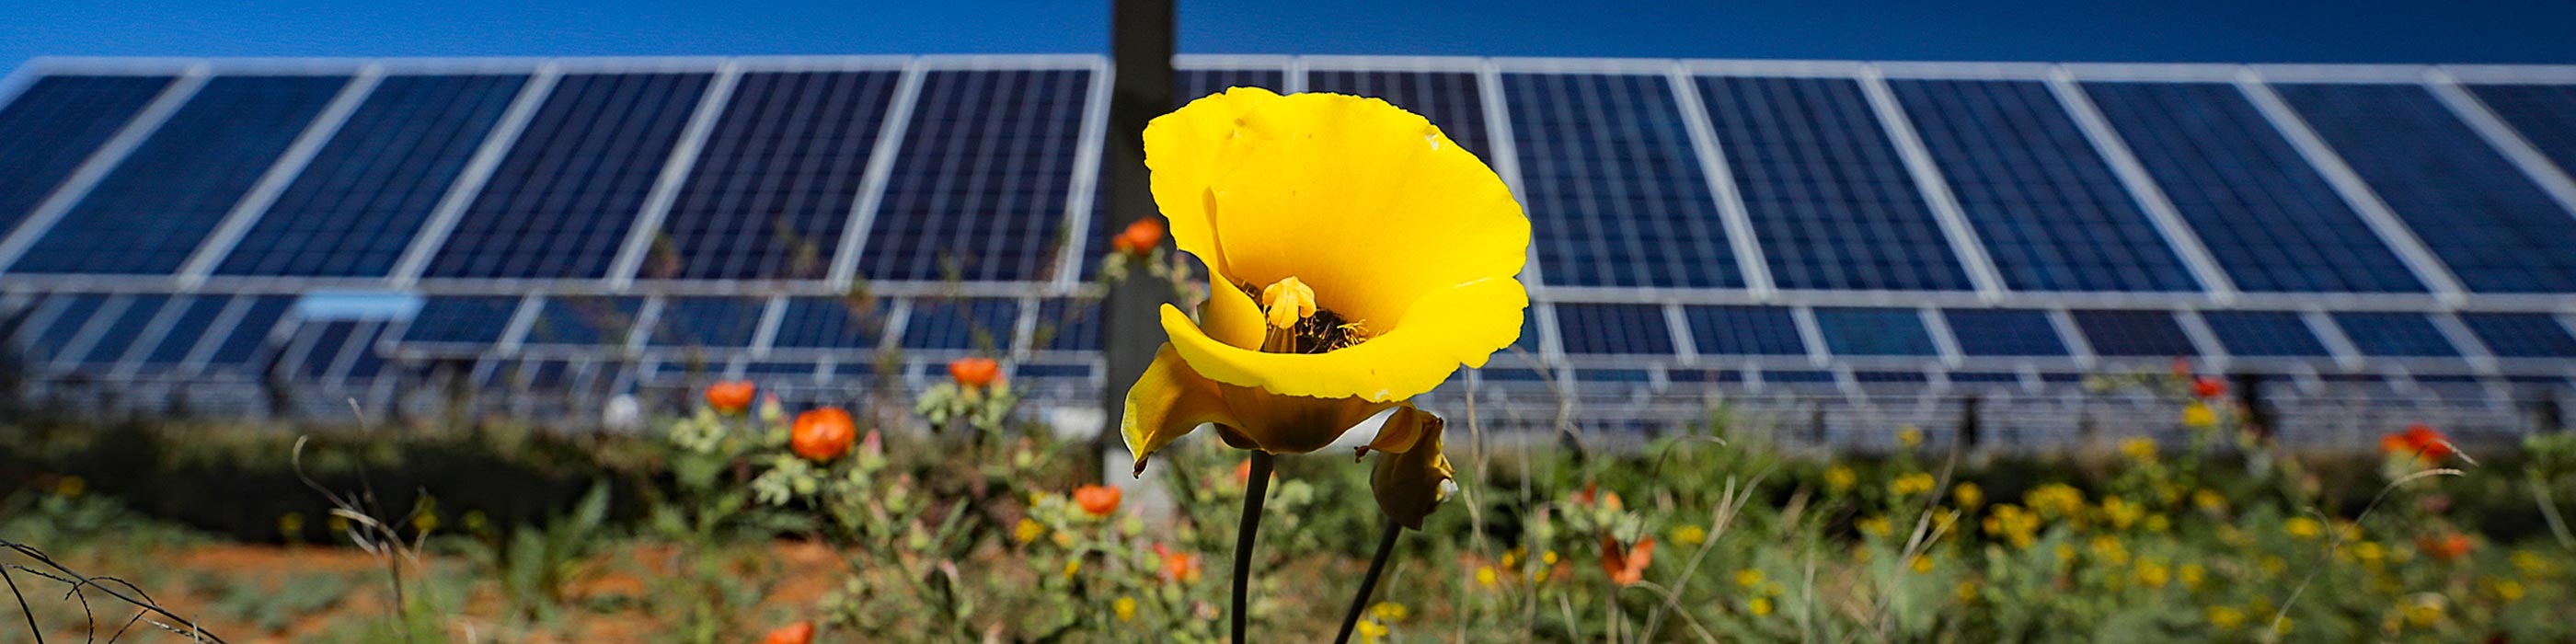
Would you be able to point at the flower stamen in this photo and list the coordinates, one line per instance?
(1296, 324)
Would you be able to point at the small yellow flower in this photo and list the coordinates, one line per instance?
(2532, 564)
(2197, 415)
(1548, 557)
(1125, 607)
(1028, 530)
(2192, 575)
(290, 524)
(2303, 527)
(1072, 567)
(1748, 578)
(1967, 592)
(2120, 513)
(2141, 449)
(1909, 437)
(1371, 631)
(2421, 609)
(1839, 478)
(2153, 574)
(476, 521)
(2506, 589)
(1759, 606)
(1485, 576)
(1912, 484)
(2110, 549)
(2208, 500)
(1922, 564)
(71, 487)
(1690, 535)
(2226, 618)
(2369, 552)
(1968, 494)
(1388, 612)
(2158, 523)
(339, 524)
(1874, 526)
(2055, 500)
(2272, 564)
(424, 522)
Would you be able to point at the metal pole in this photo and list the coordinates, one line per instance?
(1140, 50)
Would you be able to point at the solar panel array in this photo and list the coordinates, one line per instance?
(612, 224)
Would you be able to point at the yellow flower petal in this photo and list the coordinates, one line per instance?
(1179, 150)
(1166, 403)
(1285, 424)
(1409, 484)
(1462, 325)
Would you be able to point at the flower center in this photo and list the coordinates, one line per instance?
(1297, 325)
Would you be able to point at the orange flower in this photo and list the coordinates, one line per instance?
(974, 373)
(1178, 566)
(731, 397)
(1140, 237)
(1592, 493)
(1243, 472)
(2207, 387)
(1626, 566)
(797, 633)
(1099, 500)
(822, 434)
(2420, 441)
(2446, 547)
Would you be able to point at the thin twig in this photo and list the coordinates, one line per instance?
(32, 627)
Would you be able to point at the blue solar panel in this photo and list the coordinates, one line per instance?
(2394, 334)
(54, 322)
(1070, 324)
(2134, 334)
(2470, 205)
(245, 343)
(978, 192)
(1744, 330)
(149, 214)
(2004, 332)
(1613, 185)
(1195, 83)
(770, 195)
(468, 320)
(54, 125)
(2521, 335)
(2264, 334)
(584, 321)
(2544, 114)
(319, 344)
(2046, 205)
(2267, 217)
(561, 203)
(1449, 99)
(726, 322)
(830, 323)
(185, 329)
(111, 341)
(1618, 329)
(1795, 377)
(366, 193)
(361, 358)
(1874, 332)
(1832, 203)
(1984, 377)
(972, 323)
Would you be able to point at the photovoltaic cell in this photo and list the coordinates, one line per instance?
(113, 339)
(1830, 200)
(2545, 115)
(2123, 333)
(150, 213)
(2266, 215)
(562, 201)
(53, 323)
(2265, 334)
(1449, 99)
(243, 346)
(770, 195)
(1615, 329)
(317, 345)
(2047, 206)
(190, 327)
(829, 323)
(1613, 185)
(1192, 84)
(2486, 220)
(1745, 330)
(2394, 334)
(2521, 335)
(1069, 324)
(2004, 332)
(978, 192)
(595, 321)
(54, 125)
(971, 323)
(713, 322)
(1851, 331)
(365, 194)
(466, 320)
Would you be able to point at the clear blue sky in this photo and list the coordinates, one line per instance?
(2195, 30)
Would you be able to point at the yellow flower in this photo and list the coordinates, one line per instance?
(2153, 574)
(1028, 530)
(2013, 524)
(2139, 449)
(1968, 494)
(2120, 513)
(2506, 589)
(1873, 526)
(2532, 564)
(2272, 564)
(1690, 535)
(1748, 578)
(1912, 484)
(2198, 415)
(2369, 552)
(71, 487)
(1071, 567)
(2192, 575)
(424, 522)
(1383, 255)
(2303, 527)
(1371, 631)
(1967, 592)
(2158, 523)
(1839, 478)
(1909, 437)
(2226, 618)
(1548, 557)
(2422, 609)
(1125, 607)
(1759, 606)
(1485, 576)
(2208, 501)
(1922, 564)
(2055, 500)
(290, 524)
(2109, 549)
(1388, 612)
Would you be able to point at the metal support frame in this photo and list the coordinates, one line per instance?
(95, 168)
(478, 170)
(881, 160)
(1964, 242)
(647, 222)
(2428, 267)
(254, 204)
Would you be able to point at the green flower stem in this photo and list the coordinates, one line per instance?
(1255, 487)
(1368, 584)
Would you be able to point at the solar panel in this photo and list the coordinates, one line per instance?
(830, 323)
(1745, 330)
(2004, 332)
(1613, 185)
(364, 195)
(2394, 334)
(2495, 229)
(148, 215)
(1853, 331)
(1614, 329)
(584, 321)
(2521, 335)
(2267, 217)
(54, 125)
(182, 324)
(242, 345)
(54, 322)
(2545, 115)
(770, 195)
(1830, 200)
(2050, 212)
(2265, 334)
(709, 322)
(2132, 333)
(1191, 84)
(1451, 100)
(561, 202)
(1069, 324)
(110, 337)
(978, 192)
(967, 323)
(469, 321)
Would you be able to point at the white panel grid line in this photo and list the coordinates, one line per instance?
(1086, 180)
(515, 334)
(151, 337)
(647, 222)
(1506, 161)
(1024, 331)
(773, 314)
(1812, 335)
(1721, 184)
(2480, 358)
(280, 175)
(1294, 79)
(2356, 192)
(639, 331)
(1963, 239)
(226, 322)
(2078, 347)
(2330, 334)
(1685, 345)
(79, 344)
(16, 82)
(2551, 178)
(872, 185)
(477, 171)
(95, 168)
(1943, 340)
(2203, 338)
(2142, 186)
